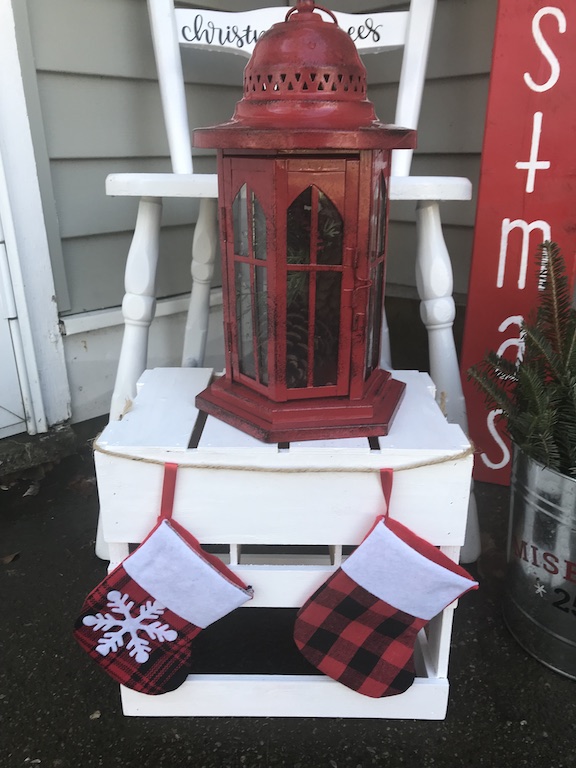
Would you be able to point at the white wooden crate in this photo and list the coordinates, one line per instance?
(235, 491)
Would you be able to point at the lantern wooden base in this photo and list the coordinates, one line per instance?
(310, 419)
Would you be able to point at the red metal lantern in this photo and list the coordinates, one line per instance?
(303, 175)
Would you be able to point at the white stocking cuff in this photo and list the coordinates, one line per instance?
(176, 575)
(393, 571)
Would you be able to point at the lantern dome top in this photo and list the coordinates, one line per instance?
(305, 69)
(306, 84)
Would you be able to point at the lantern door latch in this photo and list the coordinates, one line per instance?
(354, 297)
(358, 295)
(223, 228)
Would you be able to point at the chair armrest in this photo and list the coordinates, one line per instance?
(162, 184)
(206, 185)
(430, 188)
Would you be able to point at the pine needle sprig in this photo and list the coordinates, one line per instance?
(537, 393)
(555, 308)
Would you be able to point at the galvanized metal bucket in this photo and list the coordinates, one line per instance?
(540, 598)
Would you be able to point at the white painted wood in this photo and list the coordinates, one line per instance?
(204, 249)
(434, 280)
(472, 547)
(311, 491)
(12, 416)
(139, 303)
(153, 416)
(217, 433)
(328, 508)
(109, 318)
(435, 284)
(22, 399)
(438, 632)
(237, 491)
(116, 552)
(162, 184)
(412, 76)
(199, 28)
(26, 242)
(171, 81)
(429, 188)
(286, 696)
(282, 586)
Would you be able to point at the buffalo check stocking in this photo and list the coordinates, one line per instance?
(139, 623)
(360, 626)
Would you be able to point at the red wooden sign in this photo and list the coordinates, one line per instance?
(527, 194)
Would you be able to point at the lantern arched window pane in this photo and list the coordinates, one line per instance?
(327, 328)
(249, 223)
(330, 232)
(245, 320)
(258, 230)
(261, 311)
(381, 241)
(240, 220)
(377, 256)
(297, 328)
(251, 285)
(314, 243)
(298, 228)
(314, 229)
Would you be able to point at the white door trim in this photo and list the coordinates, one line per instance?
(42, 368)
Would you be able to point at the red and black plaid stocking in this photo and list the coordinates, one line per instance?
(360, 627)
(139, 623)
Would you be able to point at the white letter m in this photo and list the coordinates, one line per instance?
(527, 229)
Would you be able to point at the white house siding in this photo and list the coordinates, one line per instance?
(100, 113)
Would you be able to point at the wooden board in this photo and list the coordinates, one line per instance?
(286, 696)
(235, 489)
(232, 489)
(527, 189)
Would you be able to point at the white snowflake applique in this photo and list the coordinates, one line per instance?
(539, 588)
(117, 626)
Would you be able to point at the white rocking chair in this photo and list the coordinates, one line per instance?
(236, 491)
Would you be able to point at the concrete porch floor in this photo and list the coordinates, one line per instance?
(58, 710)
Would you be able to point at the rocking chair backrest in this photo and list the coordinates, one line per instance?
(237, 32)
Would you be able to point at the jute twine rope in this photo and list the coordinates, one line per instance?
(463, 454)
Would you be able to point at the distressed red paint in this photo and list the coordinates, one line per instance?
(303, 167)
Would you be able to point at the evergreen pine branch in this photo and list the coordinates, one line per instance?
(496, 394)
(555, 303)
(539, 351)
(537, 395)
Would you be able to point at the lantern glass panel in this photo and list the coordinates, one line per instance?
(377, 256)
(297, 326)
(244, 320)
(261, 294)
(258, 230)
(330, 232)
(240, 219)
(327, 328)
(251, 285)
(314, 291)
(298, 229)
